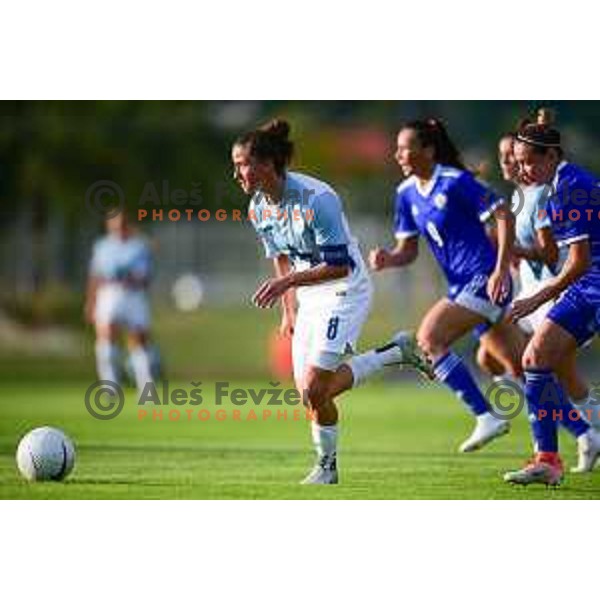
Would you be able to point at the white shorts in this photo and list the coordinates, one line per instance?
(116, 305)
(531, 322)
(326, 333)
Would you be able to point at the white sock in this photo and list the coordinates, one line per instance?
(106, 361)
(325, 440)
(364, 365)
(140, 361)
(589, 410)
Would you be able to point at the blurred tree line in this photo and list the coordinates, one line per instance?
(51, 152)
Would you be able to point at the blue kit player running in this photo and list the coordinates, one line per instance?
(442, 202)
(318, 265)
(539, 261)
(575, 317)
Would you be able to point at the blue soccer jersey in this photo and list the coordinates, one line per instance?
(309, 226)
(114, 258)
(574, 209)
(450, 213)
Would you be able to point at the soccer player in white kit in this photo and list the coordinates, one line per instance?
(301, 224)
(117, 299)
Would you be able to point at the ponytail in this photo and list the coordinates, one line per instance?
(432, 133)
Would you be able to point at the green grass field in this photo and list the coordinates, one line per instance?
(398, 441)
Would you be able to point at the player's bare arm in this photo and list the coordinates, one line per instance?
(272, 289)
(90, 299)
(499, 281)
(282, 267)
(577, 263)
(404, 253)
(545, 249)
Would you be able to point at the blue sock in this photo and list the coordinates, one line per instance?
(543, 400)
(575, 425)
(450, 369)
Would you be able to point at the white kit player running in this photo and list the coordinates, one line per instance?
(302, 226)
(117, 299)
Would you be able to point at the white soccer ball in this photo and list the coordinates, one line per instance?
(45, 454)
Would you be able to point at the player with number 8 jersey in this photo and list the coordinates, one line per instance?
(310, 228)
(302, 226)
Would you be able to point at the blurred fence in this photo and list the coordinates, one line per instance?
(225, 256)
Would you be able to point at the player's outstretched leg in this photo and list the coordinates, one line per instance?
(445, 323)
(402, 351)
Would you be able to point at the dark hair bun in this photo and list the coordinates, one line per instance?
(270, 142)
(279, 128)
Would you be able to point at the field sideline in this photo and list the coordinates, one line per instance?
(398, 441)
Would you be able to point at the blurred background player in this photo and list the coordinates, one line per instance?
(117, 300)
(317, 262)
(574, 318)
(443, 202)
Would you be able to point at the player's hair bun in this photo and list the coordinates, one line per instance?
(540, 133)
(279, 128)
(270, 142)
(545, 116)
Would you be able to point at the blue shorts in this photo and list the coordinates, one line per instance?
(578, 313)
(473, 295)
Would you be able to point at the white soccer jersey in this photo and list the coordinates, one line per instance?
(115, 259)
(529, 203)
(310, 227)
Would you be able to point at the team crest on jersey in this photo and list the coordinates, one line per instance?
(415, 210)
(440, 201)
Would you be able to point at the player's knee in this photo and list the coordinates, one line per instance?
(137, 338)
(535, 357)
(107, 333)
(483, 360)
(430, 344)
(316, 394)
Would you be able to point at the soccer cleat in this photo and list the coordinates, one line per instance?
(588, 451)
(488, 427)
(323, 473)
(545, 468)
(409, 354)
